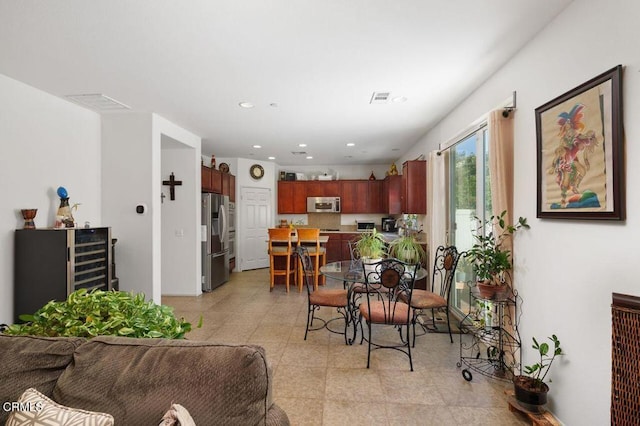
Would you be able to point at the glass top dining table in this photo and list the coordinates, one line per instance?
(352, 271)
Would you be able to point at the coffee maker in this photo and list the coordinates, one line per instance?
(389, 224)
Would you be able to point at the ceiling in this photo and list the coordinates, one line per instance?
(309, 67)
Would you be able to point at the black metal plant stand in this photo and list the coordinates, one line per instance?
(489, 339)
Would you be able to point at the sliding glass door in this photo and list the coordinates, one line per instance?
(470, 198)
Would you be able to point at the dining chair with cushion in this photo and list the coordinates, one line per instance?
(387, 305)
(324, 297)
(436, 297)
(281, 259)
(310, 239)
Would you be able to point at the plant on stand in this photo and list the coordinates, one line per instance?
(530, 388)
(489, 259)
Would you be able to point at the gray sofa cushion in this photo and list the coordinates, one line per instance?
(32, 362)
(137, 380)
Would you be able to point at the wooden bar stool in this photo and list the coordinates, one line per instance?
(280, 253)
(310, 238)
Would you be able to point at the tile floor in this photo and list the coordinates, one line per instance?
(321, 381)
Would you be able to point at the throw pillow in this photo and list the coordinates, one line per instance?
(177, 416)
(34, 409)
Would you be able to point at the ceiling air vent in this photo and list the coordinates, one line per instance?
(380, 97)
(97, 102)
(299, 152)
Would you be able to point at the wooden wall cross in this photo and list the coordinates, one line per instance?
(172, 182)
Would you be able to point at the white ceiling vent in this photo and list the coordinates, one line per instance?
(97, 102)
(299, 152)
(380, 97)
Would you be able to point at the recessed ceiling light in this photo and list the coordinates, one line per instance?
(246, 104)
(302, 145)
(351, 144)
(399, 99)
(257, 146)
(309, 157)
(271, 158)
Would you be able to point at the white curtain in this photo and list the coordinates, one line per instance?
(437, 201)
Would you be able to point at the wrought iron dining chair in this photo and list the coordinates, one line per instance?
(389, 288)
(324, 297)
(436, 297)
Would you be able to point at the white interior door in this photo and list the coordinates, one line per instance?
(256, 217)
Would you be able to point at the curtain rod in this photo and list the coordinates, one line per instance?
(508, 105)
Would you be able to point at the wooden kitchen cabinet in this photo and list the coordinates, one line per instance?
(354, 196)
(292, 197)
(414, 187)
(232, 188)
(392, 193)
(318, 188)
(344, 243)
(375, 203)
(216, 181)
(205, 173)
(333, 247)
(226, 183)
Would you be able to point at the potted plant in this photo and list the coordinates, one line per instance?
(407, 249)
(98, 313)
(372, 247)
(530, 388)
(489, 259)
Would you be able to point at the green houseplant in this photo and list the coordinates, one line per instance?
(94, 313)
(371, 245)
(530, 388)
(489, 259)
(407, 249)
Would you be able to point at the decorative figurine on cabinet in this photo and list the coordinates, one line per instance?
(64, 218)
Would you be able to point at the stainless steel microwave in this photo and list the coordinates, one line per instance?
(323, 204)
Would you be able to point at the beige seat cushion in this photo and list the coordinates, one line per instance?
(329, 297)
(422, 299)
(381, 315)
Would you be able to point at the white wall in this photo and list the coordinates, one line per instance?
(45, 142)
(566, 270)
(180, 219)
(132, 175)
(128, 181)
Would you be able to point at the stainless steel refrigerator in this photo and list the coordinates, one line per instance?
(215, 240)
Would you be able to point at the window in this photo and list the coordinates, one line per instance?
(469, 195)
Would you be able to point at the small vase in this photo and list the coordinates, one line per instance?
(28, 215)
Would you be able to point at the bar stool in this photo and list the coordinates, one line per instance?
(310, 238)
(280, 252)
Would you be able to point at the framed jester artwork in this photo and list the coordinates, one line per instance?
(580, 152)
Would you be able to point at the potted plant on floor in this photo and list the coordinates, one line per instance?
(530, 388)
(489, 259)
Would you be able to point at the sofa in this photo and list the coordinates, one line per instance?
(138, 380)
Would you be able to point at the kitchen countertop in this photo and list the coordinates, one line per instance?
(388, 236)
